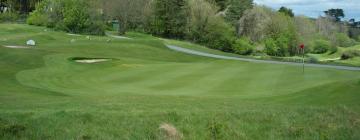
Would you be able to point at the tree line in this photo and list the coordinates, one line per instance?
(20, 6)
(237, 26)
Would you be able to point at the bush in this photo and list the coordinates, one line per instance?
(9, 17)
(313, 59)
(321, 46)
(350, 54)
(218, 35)
(279, 46)
(270, 47)
(242, 46)
(73, 16)
(342, 40)
(37, 19)
(283, 45)
(40, 16)
(333, 49)
(206, 28)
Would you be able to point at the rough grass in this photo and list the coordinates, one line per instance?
(45, 95)
(336, 57)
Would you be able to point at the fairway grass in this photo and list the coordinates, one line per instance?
(44, 94)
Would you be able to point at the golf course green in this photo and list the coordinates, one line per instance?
(138, 85)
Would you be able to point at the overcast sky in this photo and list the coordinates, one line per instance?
(314, 8)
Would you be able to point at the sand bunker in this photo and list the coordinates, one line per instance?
(17, 47)
(90, 60)
(73, 34)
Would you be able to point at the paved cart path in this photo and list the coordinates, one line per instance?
(193, 52)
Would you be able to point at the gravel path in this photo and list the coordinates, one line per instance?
(193, 52)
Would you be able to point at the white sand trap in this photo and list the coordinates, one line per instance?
(18, 47)
(73, 34)
(89, 61)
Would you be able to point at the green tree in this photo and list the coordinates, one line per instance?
(131, 14)
(206, 28)
(282, 29)
(271, 47)
(74, 16)
(337, 14)
(253, 23)
(236, 10)
(170, 18)
(286, 11)
(222, 4)
(242, 46)
(20, 6)
(343, 40)
(321, 46)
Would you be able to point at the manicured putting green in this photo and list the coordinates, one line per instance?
(45, 94)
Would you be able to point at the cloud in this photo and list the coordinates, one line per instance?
(314, 8)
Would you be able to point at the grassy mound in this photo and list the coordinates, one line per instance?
(46, 96)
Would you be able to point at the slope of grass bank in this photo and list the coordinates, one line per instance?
(336, 57)
(45, 95)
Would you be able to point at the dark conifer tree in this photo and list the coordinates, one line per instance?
(170, 18)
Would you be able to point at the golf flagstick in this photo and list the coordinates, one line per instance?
(302, 47)
(303, 60)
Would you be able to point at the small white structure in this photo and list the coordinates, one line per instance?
(88, 37)
(30, 43)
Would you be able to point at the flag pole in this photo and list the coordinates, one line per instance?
(303, 49)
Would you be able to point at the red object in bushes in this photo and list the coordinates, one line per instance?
(302, 46)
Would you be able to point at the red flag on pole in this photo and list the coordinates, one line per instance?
(302, 46)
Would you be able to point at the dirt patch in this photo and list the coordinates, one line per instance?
(169, 132)
(90, 60)
(18, 47)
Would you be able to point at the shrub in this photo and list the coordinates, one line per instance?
(283, 45)
(9, 17)
(40, 16)
(242, 46)
(218, 35)
(333, 49)
(321, 46)
(280, 46)
(37, 19)
(270, 47)
(342, 40)
(205, 27)
(313, 59)
(350, 54)
(74, 16)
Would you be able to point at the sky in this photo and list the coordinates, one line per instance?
(314, 8)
